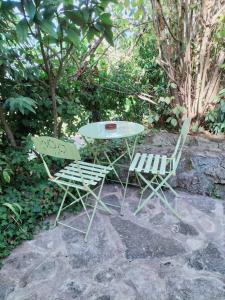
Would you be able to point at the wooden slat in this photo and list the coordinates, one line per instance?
(76, 174)
(141, 162)
(94, 165)
(155, 164)
(67, 183)
(148, 163)
(90, 168)
(134, 162)
(77, 179)
(162, 170)
(84, 171)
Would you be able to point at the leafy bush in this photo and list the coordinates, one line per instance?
(215, 119)
(26, 198)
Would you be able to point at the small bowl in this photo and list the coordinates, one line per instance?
(110, 126)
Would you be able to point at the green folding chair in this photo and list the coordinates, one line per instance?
(161, 169)
(79, 175)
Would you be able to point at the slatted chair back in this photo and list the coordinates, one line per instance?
(180, 143)
(53, 147)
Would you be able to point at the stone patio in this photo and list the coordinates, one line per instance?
(152, 256)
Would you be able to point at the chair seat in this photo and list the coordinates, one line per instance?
(81, 172)
(151, 163)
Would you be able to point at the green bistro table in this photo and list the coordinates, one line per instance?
(97, 132)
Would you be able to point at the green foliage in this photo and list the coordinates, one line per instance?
(215, 119)
(89, 87)
(26, 197)
(21, 104)
(22, 30)
(113, 95)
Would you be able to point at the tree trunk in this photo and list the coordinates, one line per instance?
(188, 52)
(52, 84)
(7, 128)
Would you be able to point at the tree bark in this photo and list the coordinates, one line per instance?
(7, 128)
(52, 84)
(187, 51)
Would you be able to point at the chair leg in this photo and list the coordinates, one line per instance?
(148, 184)
(166, 203)
(155, 192)
(113, 168)
(91, 220)
(97, 201)
(61, 206)
(84, 206)
(145, 188)
(124, 194)
(170, 187)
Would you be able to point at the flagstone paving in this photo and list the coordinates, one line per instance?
(151, 256)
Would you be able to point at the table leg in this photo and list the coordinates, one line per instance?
(111, 163)
(131, 152)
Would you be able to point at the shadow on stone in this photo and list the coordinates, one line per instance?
(143, 243)
(208, 259)
(186, 229)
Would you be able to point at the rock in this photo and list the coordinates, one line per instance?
(113, 200)
(208, 259)
(123, 259)
(190, 182)
(144, 280)
(180, 288)
(104, 297)
(31, 297)
(202, 163)
(186, 229)
(24, 260)
(71, 290)
(105, 276)
(204, 204)
(44, 271)
(7, 286)
(157, 219)
(143, 243)
(164, 138)
(99, 247)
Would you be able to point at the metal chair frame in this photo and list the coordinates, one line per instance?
(161, 168)
(78, 175)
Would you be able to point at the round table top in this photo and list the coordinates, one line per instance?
(123, 129)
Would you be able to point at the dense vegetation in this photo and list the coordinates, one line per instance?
(65, 63)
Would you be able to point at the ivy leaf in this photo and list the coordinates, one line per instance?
(67, 2)
(85, 13)
(105, 19)
(126, 3)
(99, 27)
(6, 175)
(138, 13)
(76, 17)
(108, 35)
(21, 104)
(12, 207)
(48, 27)
(22, 30)
(91, 33)
(73, 36)
(173, 122)
(31, 9)
(173, 85)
